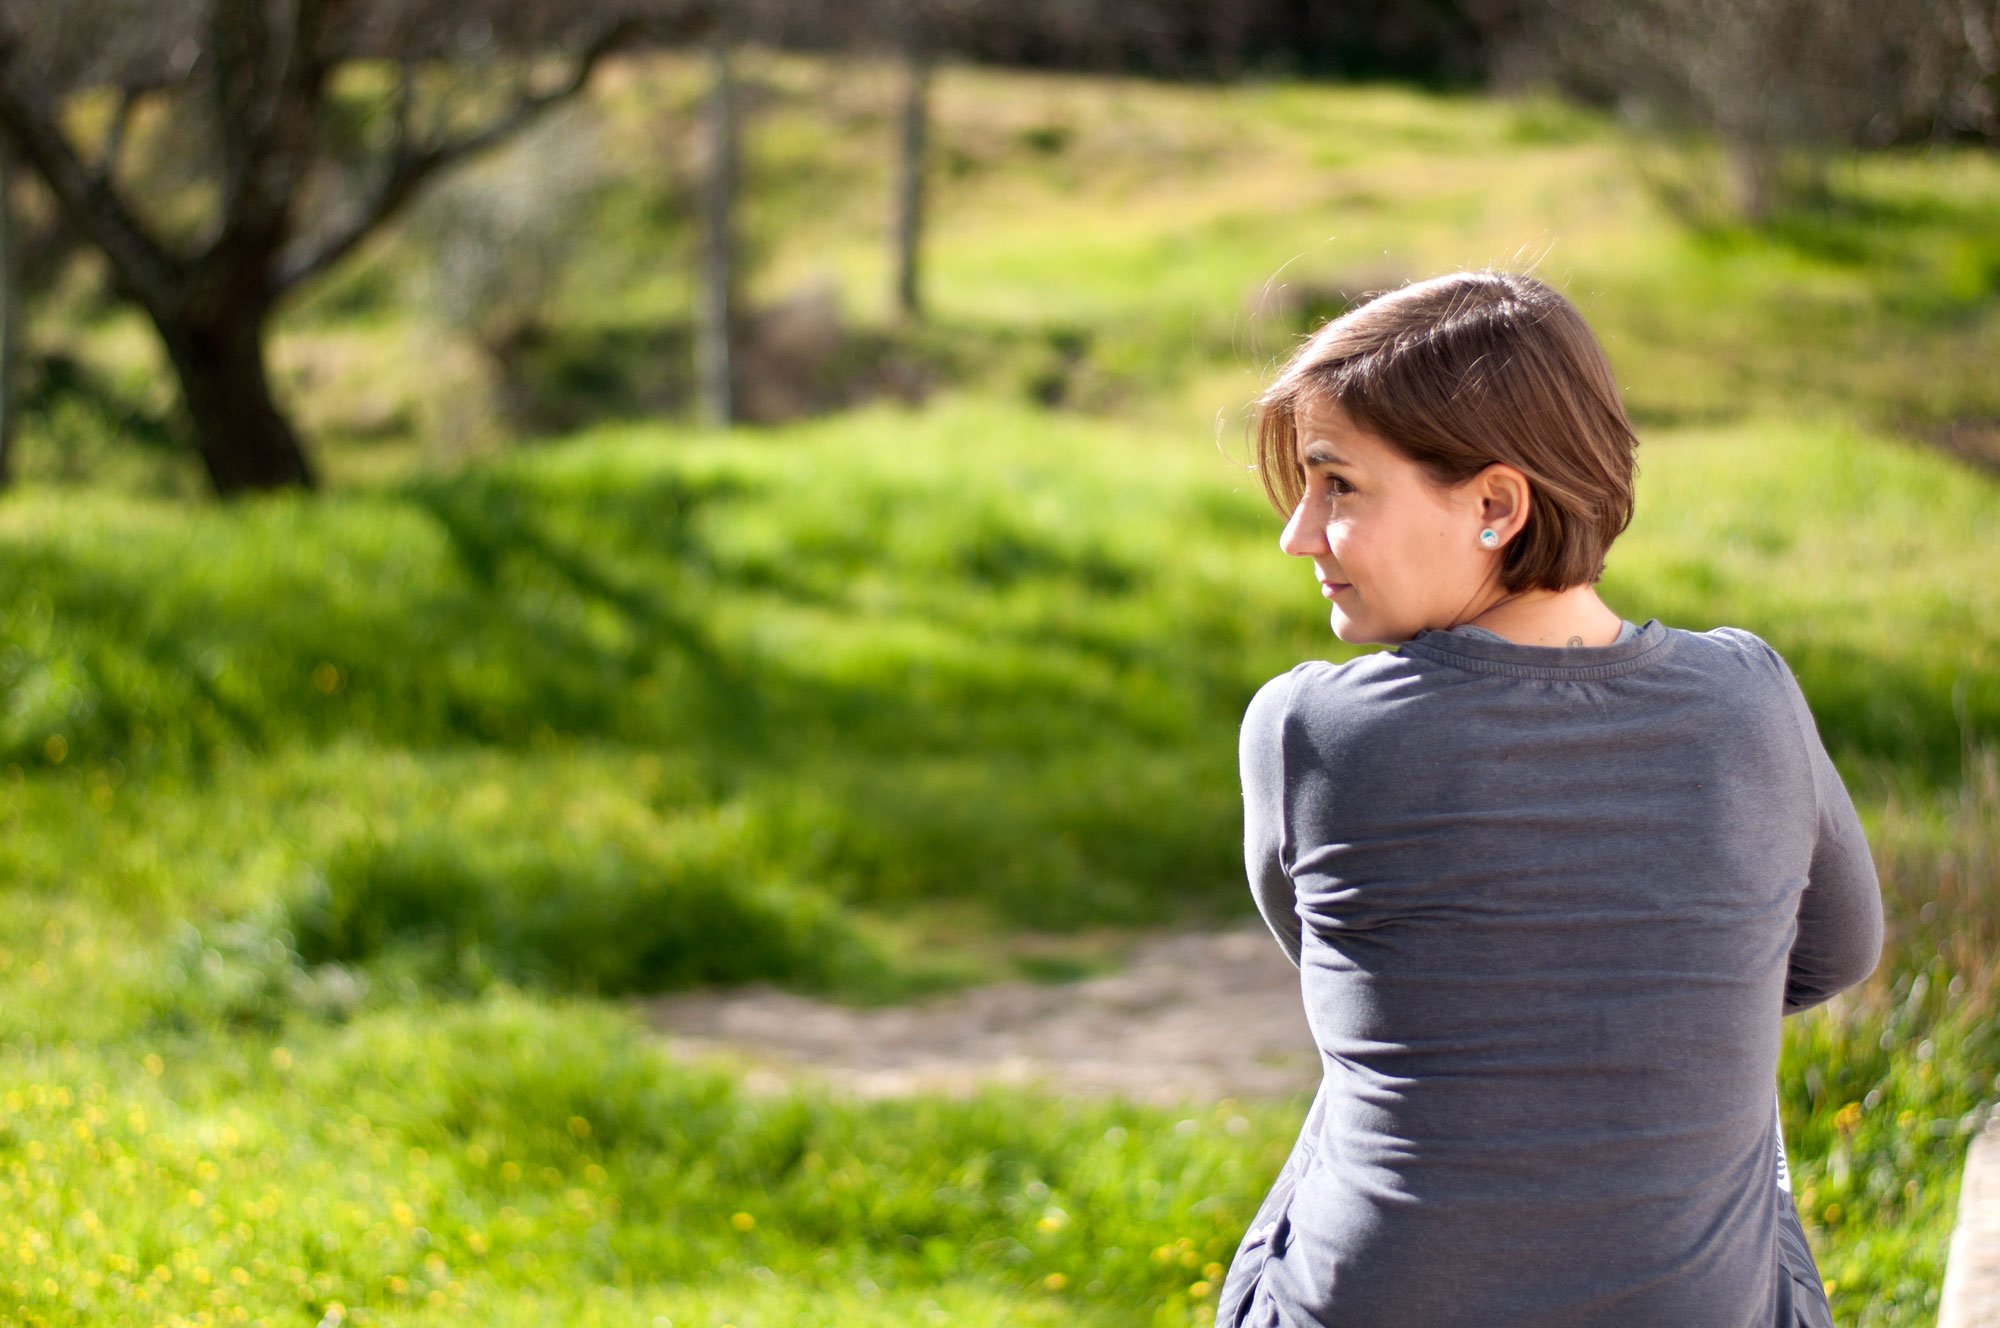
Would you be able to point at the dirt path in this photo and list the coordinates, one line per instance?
(1189, 1017)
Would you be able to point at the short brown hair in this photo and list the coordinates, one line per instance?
(1458, 372)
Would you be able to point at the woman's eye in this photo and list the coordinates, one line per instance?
(1338, 485)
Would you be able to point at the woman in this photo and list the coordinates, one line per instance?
(1551, 877)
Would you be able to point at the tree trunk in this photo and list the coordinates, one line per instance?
(1980, 24)
(10, 315)
(1753, 177)
(715, 316)
(906, 232)
(245, 440)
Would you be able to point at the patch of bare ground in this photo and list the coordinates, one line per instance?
(1189, 1017)
(1972, 440)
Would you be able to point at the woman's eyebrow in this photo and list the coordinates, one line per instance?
(1321, 455)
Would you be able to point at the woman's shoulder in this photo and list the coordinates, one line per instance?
(1321, 676)
(1353, 691)
(1740, 639)
(1761, 659)
(1325, 688)
(1745, 650)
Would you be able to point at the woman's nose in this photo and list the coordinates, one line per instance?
(1304, 535)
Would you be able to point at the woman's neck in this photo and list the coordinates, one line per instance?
(1573, 617)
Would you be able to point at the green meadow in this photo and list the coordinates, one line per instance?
(340, 834)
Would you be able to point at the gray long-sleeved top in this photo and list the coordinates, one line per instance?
(1548, 905)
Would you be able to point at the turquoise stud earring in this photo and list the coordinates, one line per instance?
(1489, 538)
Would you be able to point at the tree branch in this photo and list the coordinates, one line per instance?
(406, 93)
(268, 88)
(90, 203)
(408, 170)
(236, 33)
(114, 137)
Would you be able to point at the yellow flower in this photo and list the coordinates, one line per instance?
(742, 1221)
(1198, 1290)
(1055, 1281)
(1847, 1118)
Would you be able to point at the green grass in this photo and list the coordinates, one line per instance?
(478, 1158)
(420, 779)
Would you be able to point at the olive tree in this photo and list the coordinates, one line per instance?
(1780, 83)
(289, 175)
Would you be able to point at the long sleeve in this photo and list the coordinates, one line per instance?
(1261, 756)
(1840, 914)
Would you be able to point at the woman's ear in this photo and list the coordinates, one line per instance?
(1502, 494)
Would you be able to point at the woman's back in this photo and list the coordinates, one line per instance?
(1548, 906)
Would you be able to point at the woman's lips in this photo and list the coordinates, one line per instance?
(1332, 588)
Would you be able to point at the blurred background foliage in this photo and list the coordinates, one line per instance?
(341, 822)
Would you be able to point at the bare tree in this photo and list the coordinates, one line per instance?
(914, 32)
(716, 312)
(907, 218)
(10, 316)
(1780, 82)
(256, 77)
(1975, 101)
(494, 242)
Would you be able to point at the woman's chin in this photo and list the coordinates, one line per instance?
(1354, 633)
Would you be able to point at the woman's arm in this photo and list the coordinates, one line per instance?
(1840, 914)
(1266, 844)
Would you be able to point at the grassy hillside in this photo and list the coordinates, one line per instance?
(335, 830)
